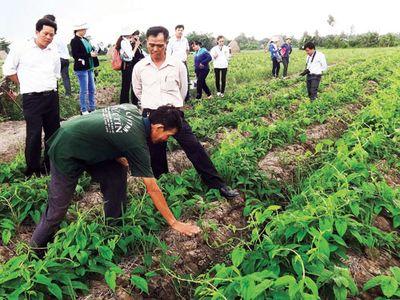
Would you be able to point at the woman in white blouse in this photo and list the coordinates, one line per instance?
(220, 55)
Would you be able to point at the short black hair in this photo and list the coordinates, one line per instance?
(198, 43)
(156, 30)
(179, 26)
(168, 116)
(136, 32)
(309, 45)
(220, 37)
(50, 17)
(45, 22)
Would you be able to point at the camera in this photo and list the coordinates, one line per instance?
(305, 72)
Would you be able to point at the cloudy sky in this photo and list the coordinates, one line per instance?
(254, 18)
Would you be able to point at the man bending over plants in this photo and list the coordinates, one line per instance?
(105, 143)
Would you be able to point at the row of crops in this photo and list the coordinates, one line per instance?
(296, 234)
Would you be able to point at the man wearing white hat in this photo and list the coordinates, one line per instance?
(35, 67)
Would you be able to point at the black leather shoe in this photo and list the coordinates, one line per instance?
(228, 193)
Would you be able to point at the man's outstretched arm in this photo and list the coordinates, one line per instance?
(161, 204)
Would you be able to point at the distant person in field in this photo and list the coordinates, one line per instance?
(275, 58)
(64, 58)
(85, 60)
(315, 66)
(202, 59)
(107, 143)
(35, 67)
(129, 47)
(220, 55)
(286, 50)
(178, 46)
(159, 80)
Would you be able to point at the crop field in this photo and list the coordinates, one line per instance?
(320, 182)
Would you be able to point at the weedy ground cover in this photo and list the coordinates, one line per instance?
(294, 236)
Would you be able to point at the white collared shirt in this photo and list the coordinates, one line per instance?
(318, 64)
(220, 56)
(178, 48)
(155, 87)
(37, 69)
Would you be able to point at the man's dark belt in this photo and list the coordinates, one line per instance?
(314, 75)
(45, 93)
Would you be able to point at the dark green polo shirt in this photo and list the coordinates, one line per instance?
(105, 134)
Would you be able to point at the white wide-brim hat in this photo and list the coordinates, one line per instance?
(81, 26)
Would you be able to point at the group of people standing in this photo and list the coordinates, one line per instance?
(178, 47)
(280, 54)
(315, 63)
(108, 142)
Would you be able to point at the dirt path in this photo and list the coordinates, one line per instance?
(12, 139)
(281, 163)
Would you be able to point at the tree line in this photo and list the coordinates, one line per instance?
(343, 40)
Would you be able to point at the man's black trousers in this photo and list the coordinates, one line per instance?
(41, 110)
(193, 150)
(312, 85)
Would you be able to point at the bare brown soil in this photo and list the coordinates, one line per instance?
(12, 139)
(281, 163)
(107, 96)
(368, 264)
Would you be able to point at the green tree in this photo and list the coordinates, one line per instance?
(247, 43)
(206, 39)
(388, 40)
(331, 20)
(304, 39)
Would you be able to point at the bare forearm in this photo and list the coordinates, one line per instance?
(162, 207)
(159, 201)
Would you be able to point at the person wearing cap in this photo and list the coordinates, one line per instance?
(178, 46)
(158, 80)
(35, 66)
(106, 143)
(85, 60)
(315, 66)
(286, 50)
(128, 45)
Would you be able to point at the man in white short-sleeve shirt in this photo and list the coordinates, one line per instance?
(35, 66)
(178, 46)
